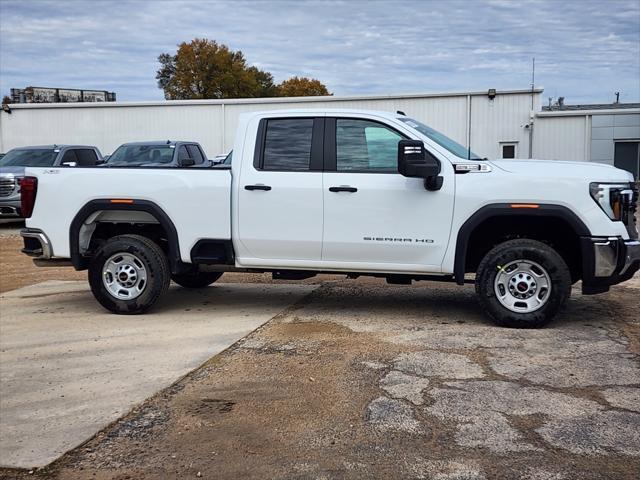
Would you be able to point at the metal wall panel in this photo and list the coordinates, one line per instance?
(631, 120)
(213, 123)
(109, 127)
(500, 120)
(560, 138)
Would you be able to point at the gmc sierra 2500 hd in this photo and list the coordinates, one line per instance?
(342, 191)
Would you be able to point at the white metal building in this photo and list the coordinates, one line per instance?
(494, 125)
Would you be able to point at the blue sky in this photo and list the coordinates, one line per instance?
(585, 50)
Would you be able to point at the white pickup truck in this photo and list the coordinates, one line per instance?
(341, 191)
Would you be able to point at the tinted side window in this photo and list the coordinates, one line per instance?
(86, 157)
(183, 153)
(194, 152)
(287, 144)
(366, 146)
(69, 156)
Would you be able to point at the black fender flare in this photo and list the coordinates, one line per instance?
(506, 210)
(81, 263)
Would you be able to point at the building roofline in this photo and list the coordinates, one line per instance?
(582, 113)
(590, 106)
(275, 100)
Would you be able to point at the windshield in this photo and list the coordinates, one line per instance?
(141, 155)
(37, 157)
(441, 139)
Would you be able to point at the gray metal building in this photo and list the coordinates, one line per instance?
(604, 133)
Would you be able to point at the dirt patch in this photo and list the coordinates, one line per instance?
(19, 271)
(304, 397)
(255, 412)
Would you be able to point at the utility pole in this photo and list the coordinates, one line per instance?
(531, 113)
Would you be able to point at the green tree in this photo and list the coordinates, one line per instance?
(302, 87)
(206, 69)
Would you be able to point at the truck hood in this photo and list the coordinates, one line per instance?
(592, 171)
(12, 171)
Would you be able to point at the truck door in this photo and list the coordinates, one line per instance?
(373, 216)
(280, 209)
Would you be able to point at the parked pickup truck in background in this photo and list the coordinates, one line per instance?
(12, 167)
(159, 154)
(342, 191)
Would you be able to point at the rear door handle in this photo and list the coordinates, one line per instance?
(266, 188)
(343, 189)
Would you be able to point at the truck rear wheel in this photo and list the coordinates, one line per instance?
(196, 280)
(128, 274)
(522, 283)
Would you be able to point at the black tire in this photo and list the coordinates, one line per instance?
(511, 251)
(196, 280)
(152, 258)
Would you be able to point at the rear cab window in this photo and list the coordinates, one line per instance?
(287, 144)
(69, 157)
(195, 154)
(86, 157)
(183, 153)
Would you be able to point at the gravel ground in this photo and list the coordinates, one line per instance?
(365, 380)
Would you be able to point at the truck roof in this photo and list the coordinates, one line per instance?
(160, 142)
(51, 147)
(355, 111)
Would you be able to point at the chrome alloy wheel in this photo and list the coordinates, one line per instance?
(124, 276)
(522, 286)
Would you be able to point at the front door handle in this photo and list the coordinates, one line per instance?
(343, 189)
(266, 188)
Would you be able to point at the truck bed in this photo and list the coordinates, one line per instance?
(198, 201)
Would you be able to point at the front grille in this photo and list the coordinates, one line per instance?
(7, 186)
(631, 218)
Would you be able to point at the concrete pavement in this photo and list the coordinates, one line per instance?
(68, 368)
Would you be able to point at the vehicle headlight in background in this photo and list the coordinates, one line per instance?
(616, 199)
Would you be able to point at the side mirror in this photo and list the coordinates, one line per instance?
(101, 161)
(69, 164)
(186, 162)
(416, 162)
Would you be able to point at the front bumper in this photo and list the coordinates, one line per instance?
(36, 244)
(608, 261)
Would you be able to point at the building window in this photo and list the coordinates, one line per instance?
(508, 150)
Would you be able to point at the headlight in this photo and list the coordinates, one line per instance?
(614, 198)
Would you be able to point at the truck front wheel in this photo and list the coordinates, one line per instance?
(522, 283)
(196, 280)
(128, 274)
